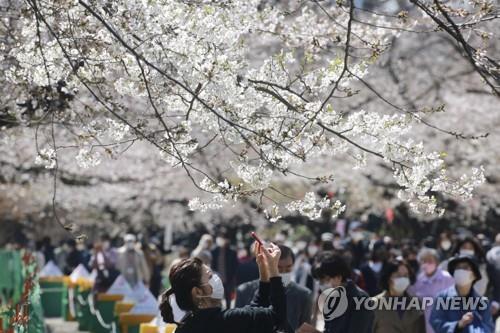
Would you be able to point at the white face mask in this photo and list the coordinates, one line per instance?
(217, 287)
(400, 284)
(100, 259)
(445, 245)
(221, 242)
(286, 278)
(467, 252)
(375, 266)
(301, 245)
(129, 245)
(462, 277)
(312, 250)
(324, 286)
(357, 236)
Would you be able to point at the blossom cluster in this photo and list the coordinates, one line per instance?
(183, 76)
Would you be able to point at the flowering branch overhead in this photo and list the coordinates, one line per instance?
(185, 78)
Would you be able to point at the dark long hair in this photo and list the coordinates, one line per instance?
(183, 276)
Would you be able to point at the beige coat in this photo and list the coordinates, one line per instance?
(133, 266)
(390, 321)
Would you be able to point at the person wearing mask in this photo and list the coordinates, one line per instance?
(86, 251)
(104, 264)
(108, 250)
(61, 254)
(312, 249)
(410, 255)
(356, 244)
(74, 257)
(47, 249)
(444, 246)
(132, 263)
(326, 241)
(372, 269)
(39, 256)
(298, 298)
(302, 269)
(469, 246)
(225, 263)
(395, 279)
(337, 242)
(465, 272)
(493, 260)
(199, 292)
(247, 268)
(332, 270)
(430, 281)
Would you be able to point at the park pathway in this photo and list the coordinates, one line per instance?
(57, 325)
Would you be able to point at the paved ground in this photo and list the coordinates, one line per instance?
(57, 325)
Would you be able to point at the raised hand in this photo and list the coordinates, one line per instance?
(261, 260)
(272, 255)
(307, 328)
(466, 320)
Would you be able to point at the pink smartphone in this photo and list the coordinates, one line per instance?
(254, 236)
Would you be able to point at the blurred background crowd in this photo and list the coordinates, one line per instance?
(369, 254)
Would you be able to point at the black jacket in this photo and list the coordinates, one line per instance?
(254, 318)
(372, 280)
(353, 320)
(298, 302)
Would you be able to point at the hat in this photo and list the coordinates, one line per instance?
(452, 264)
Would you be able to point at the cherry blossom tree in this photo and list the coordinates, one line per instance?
(236, 96)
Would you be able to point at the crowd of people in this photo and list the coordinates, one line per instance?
(278, 286)
(368, 266)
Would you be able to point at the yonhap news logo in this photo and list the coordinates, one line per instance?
(333, 303)
(407, 303)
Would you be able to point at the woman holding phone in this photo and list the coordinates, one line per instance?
(199, 292)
